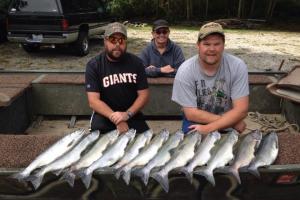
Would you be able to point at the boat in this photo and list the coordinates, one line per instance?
(28, 98)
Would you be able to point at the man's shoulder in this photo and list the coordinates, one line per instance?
(187, 67)
(232, 59)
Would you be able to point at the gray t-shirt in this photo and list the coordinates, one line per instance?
(193, 88)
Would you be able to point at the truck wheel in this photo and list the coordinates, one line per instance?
(82, 44)
(30, 48)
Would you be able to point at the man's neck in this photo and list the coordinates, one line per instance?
(209, 70)
(161, 47)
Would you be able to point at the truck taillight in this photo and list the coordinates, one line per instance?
(64, 24)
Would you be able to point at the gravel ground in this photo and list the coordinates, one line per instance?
(261, 50)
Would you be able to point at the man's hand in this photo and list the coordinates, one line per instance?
(150, 66)
(117, 117)
(167, 69)
(122, 127)
(203, 129)
(240, 126)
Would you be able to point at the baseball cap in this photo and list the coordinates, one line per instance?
(210, 28)
(115, 27)
(161, 23)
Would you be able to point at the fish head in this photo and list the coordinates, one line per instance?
(233, 136)
(130, 134)
(75, 136)
(148, 134)
(273, 136)
(164, 134)
(94, 134)
(113, 135)
(215, 135)
(179, 134)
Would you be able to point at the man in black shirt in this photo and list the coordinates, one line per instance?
(116, 85)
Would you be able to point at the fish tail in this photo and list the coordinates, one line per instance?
(118, 173)
(86, 177)
(233, 171)
(143, 174)
(188, 173)
(35, 180)
(162, 178)
(127, 175)
(19, 176)
(208, 174)
(253, 170)
(69, 176)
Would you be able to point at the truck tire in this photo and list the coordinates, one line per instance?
(31, 48)
(82, 44)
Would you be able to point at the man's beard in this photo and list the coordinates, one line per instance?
(111, 55)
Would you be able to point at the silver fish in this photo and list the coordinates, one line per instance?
(64, 161)
(183, 153)
(220, 157)
(141, 141)
(145, 156)
(110, 156)
(266, 154)
(52, 153)
(92, 155)
(162, 157)
(245, 153)
(202, 154)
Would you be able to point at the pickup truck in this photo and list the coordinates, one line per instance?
(34, 23)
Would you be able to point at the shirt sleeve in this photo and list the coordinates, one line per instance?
(184, 92)
(142, 82)
(92, 81)
(179, 57)
(240, 84)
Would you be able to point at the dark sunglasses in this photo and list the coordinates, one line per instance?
(115, 40)
(162, 31)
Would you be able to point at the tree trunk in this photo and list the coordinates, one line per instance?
(270, 9)
(188, 9)
(206, 9)
(252, 9)
(240, 9)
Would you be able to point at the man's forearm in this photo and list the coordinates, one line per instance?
(200, 116)
(101, 108)
(140, 102)
(228, 119)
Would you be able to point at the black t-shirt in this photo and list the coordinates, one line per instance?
(117, 82)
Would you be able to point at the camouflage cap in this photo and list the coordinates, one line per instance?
(115, 27)
(210, 28)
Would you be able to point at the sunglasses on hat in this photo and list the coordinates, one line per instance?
(115, 40)
(162, 31)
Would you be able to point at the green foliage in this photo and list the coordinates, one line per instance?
(4, 5)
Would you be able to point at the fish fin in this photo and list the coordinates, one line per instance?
(104, 170)
(207, 173)
(254, 171)
(188, 173)
(85, 177)
(19, 176)
(162, 179)
(118, 173)
(36, 180)
(231, 170)
(69, 177)
(143, 174)
(127, 175)
(58, 172)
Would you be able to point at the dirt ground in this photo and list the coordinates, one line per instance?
(261, 50)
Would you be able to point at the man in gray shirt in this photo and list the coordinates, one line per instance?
(212, 87)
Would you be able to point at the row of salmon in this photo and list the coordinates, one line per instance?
(145, 155)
